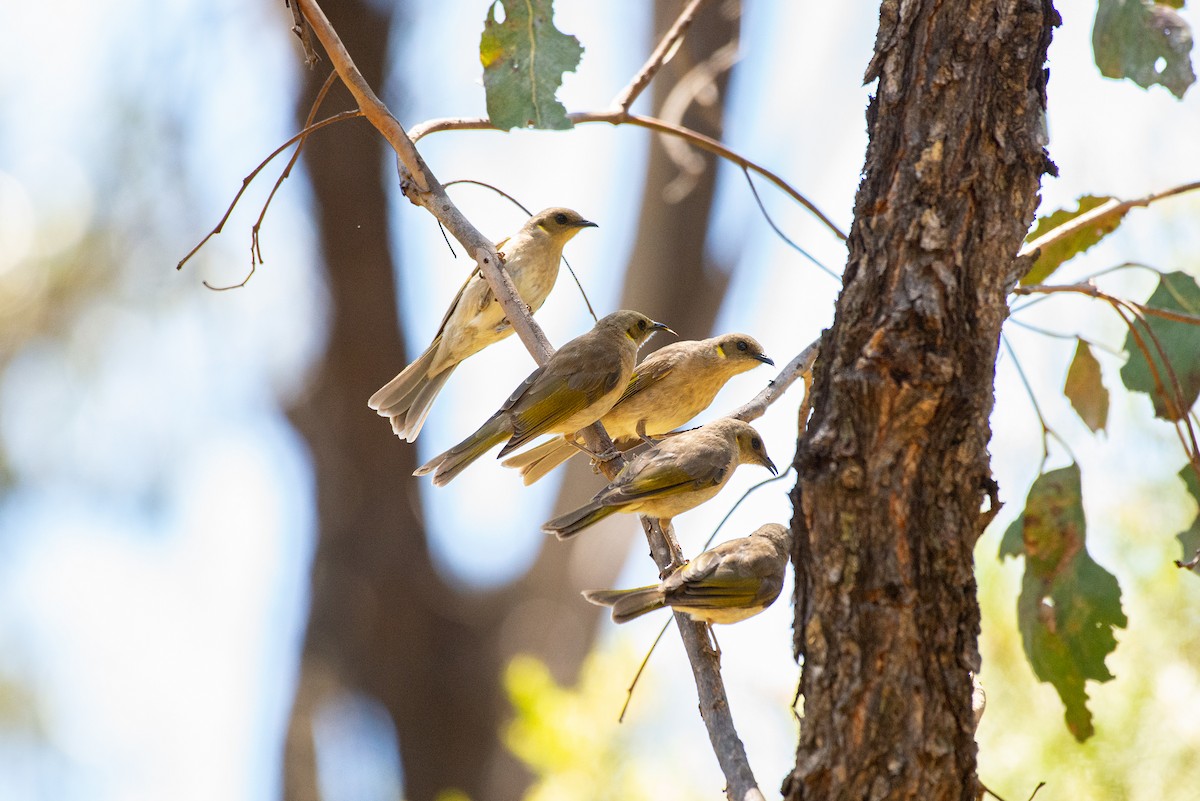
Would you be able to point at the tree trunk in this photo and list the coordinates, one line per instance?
(381, 624)
(895, 470)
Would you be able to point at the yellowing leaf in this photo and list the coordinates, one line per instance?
(1085, 390)
(1052, 256)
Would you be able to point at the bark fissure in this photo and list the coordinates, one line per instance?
(894, 468)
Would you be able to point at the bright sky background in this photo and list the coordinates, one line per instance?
(154, 552)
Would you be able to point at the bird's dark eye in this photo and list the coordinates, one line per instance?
(742, 345)
(560, 218)
(641, 325)
(756, 443)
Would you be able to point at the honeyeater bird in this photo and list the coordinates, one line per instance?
(731, 582)
(572, 390)
(475, 319)
(668, 388)
(675, 475)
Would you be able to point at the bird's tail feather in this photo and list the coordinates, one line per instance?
(418, 409)
(447, 465)
(536, 463)
(570, 524)
(407, 397)
(628, 604)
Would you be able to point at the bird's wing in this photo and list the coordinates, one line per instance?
(552, 397)
(458, 296)
(658, 476)
(647, 374)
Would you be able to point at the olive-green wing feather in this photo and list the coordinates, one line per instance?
(664, 476)
(645, 375)
(550, 399)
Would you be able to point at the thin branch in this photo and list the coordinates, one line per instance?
(256, 257)
(1032, 399)
(1059, 335)
(619, 118)
(1092, 291)
(642, 668)
(1133, 313)
(422, 188)
(661, 55)
(345, 115)
(697, 85)
(762, 208)
(1101, 214)
(797, 367)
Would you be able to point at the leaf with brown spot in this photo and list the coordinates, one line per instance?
(1069, 605)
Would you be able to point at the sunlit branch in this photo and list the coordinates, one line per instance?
(421, 187)
(249, 179)
(624, 118)
(661, 55)
(1100, 215)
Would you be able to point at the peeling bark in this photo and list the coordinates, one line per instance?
(895, 467)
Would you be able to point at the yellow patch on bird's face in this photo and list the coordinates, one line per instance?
(721, 351)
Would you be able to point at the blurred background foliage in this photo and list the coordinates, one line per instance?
(158, 508)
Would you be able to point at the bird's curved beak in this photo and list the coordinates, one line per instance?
(770, 465)
(586, 224)
(657, 326)
(765, 359)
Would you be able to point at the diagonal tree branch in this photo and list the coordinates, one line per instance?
(423, 189)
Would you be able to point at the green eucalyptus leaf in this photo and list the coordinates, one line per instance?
(524, 58)
(1180, 343)
(1085, 390)
(1069, 605)
(1148, 43)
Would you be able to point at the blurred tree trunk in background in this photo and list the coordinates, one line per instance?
(895, 468)
(670, 278)
(382, 624)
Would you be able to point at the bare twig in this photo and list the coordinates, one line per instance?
(256, 257)
(762, 208)
(422, 188)
(249, 179)
(699, 84)
(797, 367)
(1102, 214)
(641, 668)
(1188, 565)
(661, 55)
(1133, 314)
(619, 118)
(1091, 291)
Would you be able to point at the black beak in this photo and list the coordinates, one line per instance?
(656, 326)
(765, 359)
(586, 224)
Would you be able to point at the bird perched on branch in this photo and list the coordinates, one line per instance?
(731, 582)
(475, 319)
(675, 475)
(668, 388)
(572, 390)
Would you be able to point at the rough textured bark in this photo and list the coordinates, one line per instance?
(895, 468)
